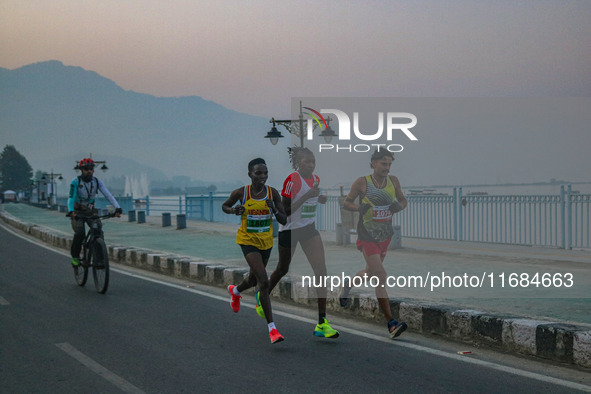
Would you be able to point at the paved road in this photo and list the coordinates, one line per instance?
(150, 334)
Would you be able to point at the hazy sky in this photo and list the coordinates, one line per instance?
(253, 56)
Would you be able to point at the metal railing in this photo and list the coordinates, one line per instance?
(542, 220)
(578, 220)
(524, 220)
(561, 220)
(429, 217)
(159, 205)
(203, 207)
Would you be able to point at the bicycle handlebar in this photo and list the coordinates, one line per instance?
(109, 215)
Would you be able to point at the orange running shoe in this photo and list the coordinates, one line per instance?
(235, 302)
(275, 336)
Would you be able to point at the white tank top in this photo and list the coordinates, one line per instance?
(306, 213)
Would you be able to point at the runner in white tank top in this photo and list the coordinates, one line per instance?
(300, 197)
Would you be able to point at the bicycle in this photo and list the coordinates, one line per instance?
(94, 254)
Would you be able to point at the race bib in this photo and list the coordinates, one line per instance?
(382, 213)
(308, 211)
(258, 223)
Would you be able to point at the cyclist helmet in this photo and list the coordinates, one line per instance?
(84, 163)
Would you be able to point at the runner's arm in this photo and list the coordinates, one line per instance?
(286, 205)
(291, 186)
(313, 192)
(357, 189)
(291, 190)
(279, 210)
(399, 195)
(228, 206)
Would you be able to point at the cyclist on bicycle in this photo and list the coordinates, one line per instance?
(83, 190)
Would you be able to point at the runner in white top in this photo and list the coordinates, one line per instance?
(300, 197)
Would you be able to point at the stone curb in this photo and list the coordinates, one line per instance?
(553, 340)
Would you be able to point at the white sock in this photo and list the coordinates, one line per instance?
(271, 326)
(235, 291)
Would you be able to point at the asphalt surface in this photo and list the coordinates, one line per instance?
(153, 334)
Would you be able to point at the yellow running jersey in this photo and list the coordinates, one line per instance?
(376, 224)
(256, 226)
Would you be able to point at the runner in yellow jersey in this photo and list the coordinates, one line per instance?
(256, 204)
(381, 197)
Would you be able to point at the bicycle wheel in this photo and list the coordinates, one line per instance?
(100, 266)
(81, 271)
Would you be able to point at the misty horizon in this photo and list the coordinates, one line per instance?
(460, 141)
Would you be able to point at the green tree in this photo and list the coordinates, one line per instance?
(15, 170)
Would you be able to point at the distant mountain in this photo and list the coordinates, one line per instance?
(50, 111)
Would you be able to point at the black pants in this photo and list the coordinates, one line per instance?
(80, 233)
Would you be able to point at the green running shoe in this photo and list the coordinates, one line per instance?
(325, 330)
(75, 261)
(259, 307)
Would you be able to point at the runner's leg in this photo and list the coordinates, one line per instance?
(257, 267)
(248, 282)
(314, 251)
(375, 267)
(285, 256)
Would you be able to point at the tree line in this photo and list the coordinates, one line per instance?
(15, 170)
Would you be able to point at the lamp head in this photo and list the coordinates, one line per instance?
(273, 135)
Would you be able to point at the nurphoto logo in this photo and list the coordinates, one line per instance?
(396, 124)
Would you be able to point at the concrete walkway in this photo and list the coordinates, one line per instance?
(509, 287)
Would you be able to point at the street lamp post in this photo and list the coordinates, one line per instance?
(296, 126)
(104, 167)
(36, 184)
(50, 177)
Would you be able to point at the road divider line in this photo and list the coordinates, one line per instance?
(95, 367)
(487, 364)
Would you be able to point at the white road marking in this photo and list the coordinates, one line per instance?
(30, 239)
(95, 367)
(384, 339)
(3, 301)
(454, 356)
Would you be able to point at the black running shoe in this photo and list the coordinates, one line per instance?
(344, 298)
(396, 328)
